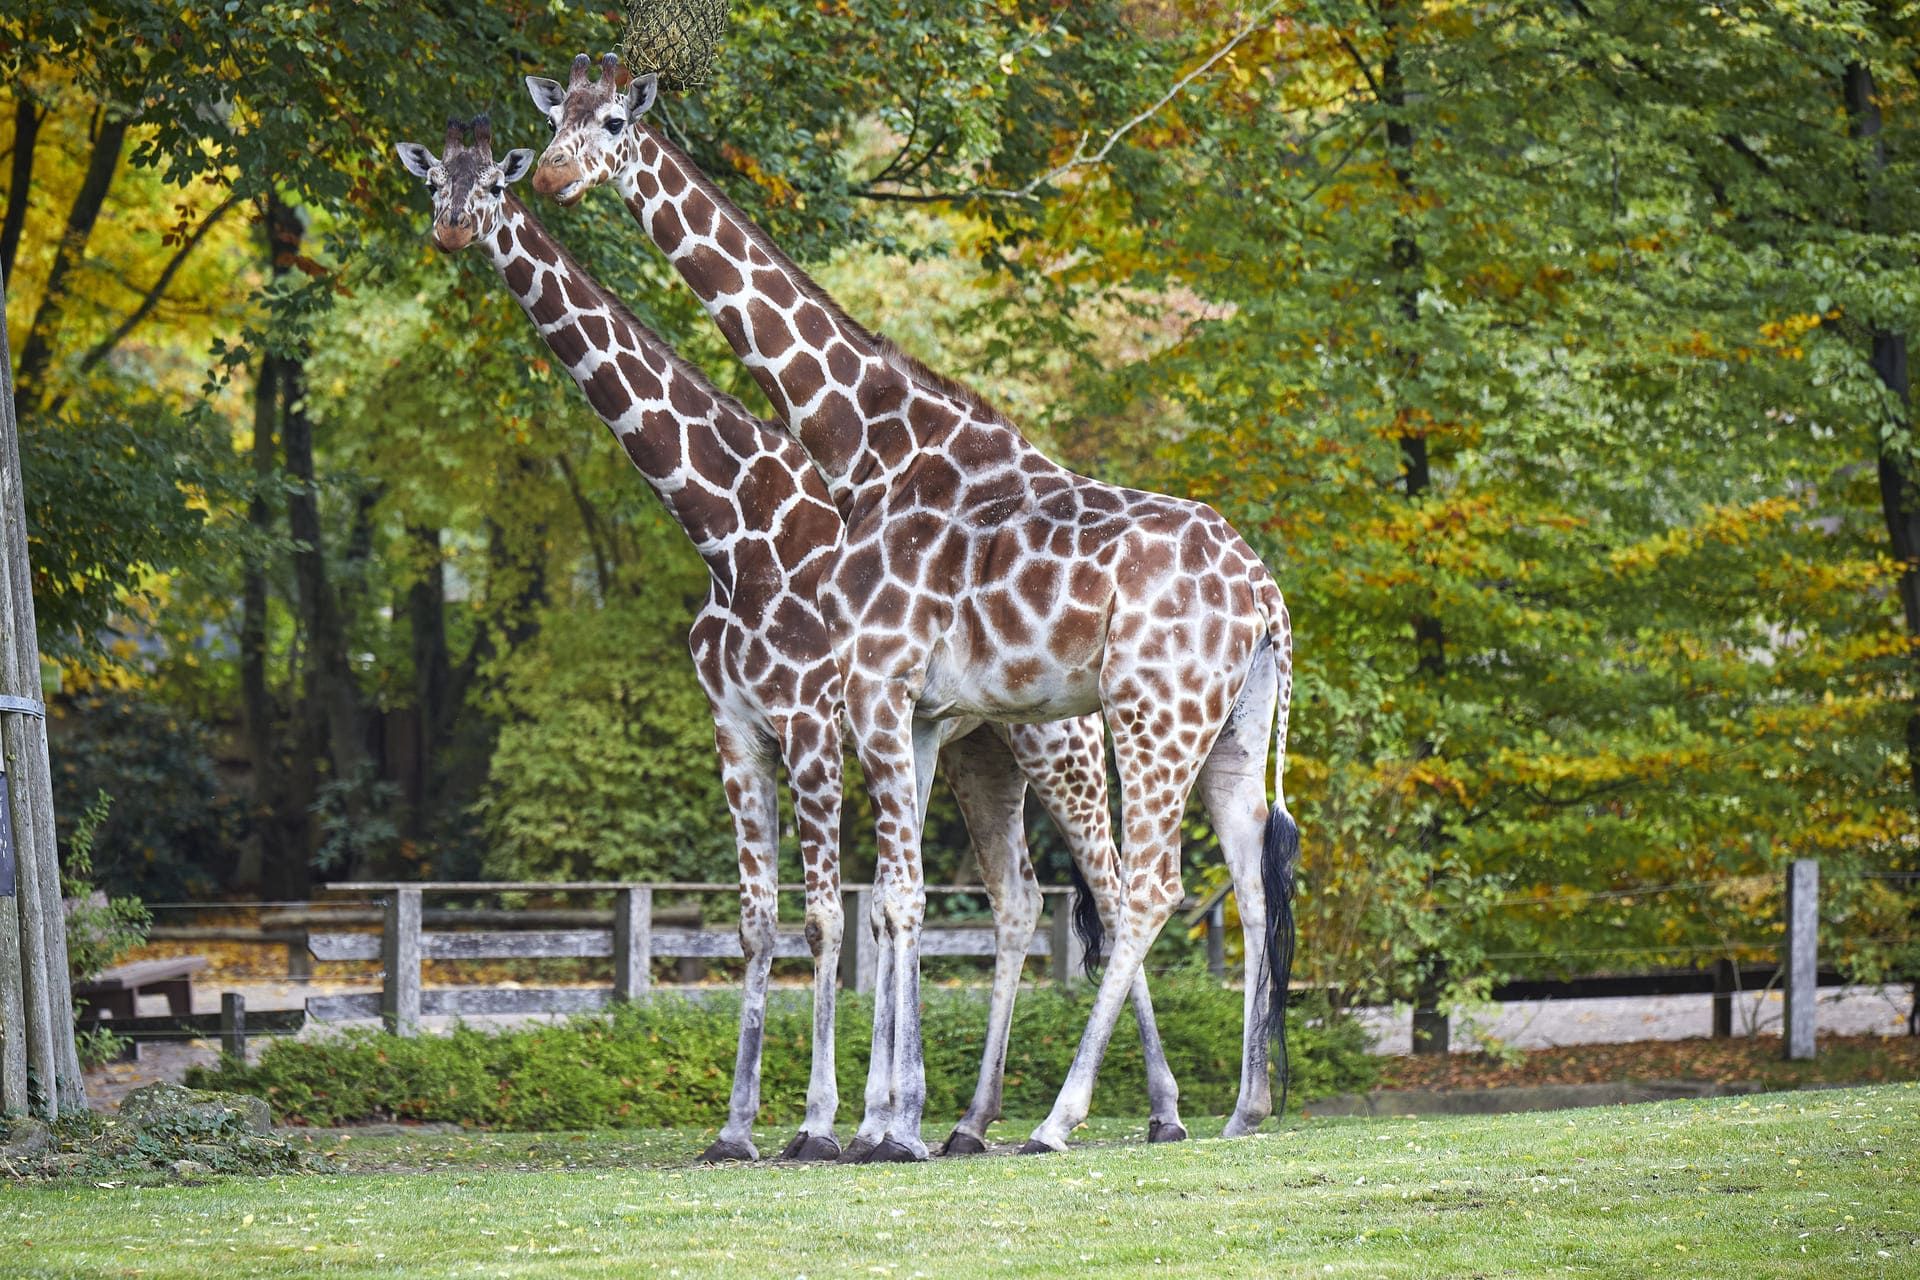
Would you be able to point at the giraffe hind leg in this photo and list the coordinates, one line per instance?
(991, 791)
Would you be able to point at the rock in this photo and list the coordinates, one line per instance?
(63, 1162)
(162, 1103)
(189, 1168)
(26, 1136)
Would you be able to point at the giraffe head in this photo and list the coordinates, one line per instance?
(593, 134)
(469, 189)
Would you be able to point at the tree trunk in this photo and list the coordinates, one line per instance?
(1429, 636)
(432, 677)
(37, 353)
(255, 697)
(1897, 497)
(26, 135)
(40, 923)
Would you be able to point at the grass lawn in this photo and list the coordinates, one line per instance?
(1806, 1184)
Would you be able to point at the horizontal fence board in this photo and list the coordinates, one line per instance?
(344, 946)
(198, 1026)
(504, 946)
(464, 1002)
(974, 940)
(716, 944)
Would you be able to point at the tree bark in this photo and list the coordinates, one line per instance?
(46, 995)
(255, 696)
(37, 353)
(26, 136)
(432, 676)
(1897, 497)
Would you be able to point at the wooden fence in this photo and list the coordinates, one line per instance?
(633, 937)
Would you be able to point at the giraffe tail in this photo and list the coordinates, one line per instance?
(1086, 923)
(1279, 857)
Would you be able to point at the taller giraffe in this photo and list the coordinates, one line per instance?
(981, 578)
(758, 513)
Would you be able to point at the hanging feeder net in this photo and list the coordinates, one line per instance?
(676, 39)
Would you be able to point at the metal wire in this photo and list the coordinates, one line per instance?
(677, 40)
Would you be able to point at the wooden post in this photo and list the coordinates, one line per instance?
(233, 1025)
(1066, 953)
(1217, 940)
(632, 943)
(1724, 981)
(299, 958)
(1801, 959)
(46, 999)
(400, 955)
(854, 924)
(1430, 1033)
(13, 1009)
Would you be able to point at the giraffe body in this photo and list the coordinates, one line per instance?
(761, 518)
(980, 578)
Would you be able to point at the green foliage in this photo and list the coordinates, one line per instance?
(670, 1062)
(604, 767)
(170, 835)
(99, 929)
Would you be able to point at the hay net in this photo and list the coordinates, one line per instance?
(676, 39)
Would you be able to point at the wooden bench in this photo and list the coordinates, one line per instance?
(115, 994)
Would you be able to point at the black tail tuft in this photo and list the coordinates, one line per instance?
(1279, 853)
(1086, 923)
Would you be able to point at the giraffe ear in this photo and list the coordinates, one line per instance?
(641, 93)
(418, 160)
(515, 164)
(547, 94)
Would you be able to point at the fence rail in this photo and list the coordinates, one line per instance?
(632, 935)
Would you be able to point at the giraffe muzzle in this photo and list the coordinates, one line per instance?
(560, 180)
(452, 238)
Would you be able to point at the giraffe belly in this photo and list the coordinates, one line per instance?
(1007, 687)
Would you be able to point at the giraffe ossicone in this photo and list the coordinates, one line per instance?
(760, 517)
(981, 578)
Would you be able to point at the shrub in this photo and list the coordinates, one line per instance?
(172, 836)
(669, 1062)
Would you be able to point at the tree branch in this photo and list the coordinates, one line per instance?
(1081, 157)
(26, 133)
(106, 345)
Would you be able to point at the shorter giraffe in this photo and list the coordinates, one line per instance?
(758, 513)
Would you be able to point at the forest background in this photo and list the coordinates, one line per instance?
(1552, 354)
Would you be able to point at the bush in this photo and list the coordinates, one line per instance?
(172, 837)
(669, 1062)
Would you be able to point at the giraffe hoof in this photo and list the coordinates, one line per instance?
(890, 1152)
(963, 1144)
(856, 1151)
(811, 1147)
(726, 1151)
(1035, 1147)
(1166, 1131)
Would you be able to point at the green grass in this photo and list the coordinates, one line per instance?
(1806, 1184)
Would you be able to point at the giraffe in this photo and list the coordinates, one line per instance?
(980, 578)
(758, 512)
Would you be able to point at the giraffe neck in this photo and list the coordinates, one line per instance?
(843, 391)
(674, 425)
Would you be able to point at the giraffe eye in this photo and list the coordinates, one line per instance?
(615, 125)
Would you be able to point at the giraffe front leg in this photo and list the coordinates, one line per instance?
(877, 1102)
(897, 754)
(990, 791)
(812, 750)
(746, 768)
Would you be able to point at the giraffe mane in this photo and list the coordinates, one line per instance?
(624, 314)
(810, 289)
